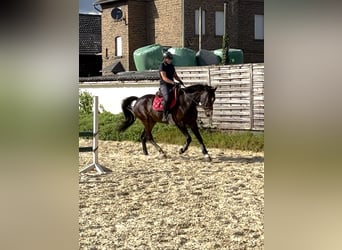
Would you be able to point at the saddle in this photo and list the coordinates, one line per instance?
(157, 103)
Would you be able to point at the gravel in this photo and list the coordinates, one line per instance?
(177, 202)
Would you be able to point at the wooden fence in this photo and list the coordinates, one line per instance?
(239, 96)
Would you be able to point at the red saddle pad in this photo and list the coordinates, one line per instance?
(158, 101)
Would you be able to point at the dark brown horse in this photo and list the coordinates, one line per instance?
(184, 114)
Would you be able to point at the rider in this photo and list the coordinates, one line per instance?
(167, 74)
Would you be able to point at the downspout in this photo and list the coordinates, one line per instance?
(183, 26)
(224, 18)
(200, 25)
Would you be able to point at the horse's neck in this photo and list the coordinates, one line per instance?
(195, 97)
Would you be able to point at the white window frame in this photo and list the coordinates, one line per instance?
(219, 23)
(259, 27)
(196, 22)
(118, 46)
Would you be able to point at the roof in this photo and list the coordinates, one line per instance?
(115, 67)
(104, 1)
(124, 76)
(89, 34)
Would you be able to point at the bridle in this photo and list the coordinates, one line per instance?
(199, 104)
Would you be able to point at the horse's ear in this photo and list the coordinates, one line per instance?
(214, 88)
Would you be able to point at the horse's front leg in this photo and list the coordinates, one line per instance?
(185, 132)
(196, 132)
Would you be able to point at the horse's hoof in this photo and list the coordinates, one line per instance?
(181, 151)
(162, 156)
(207, 158)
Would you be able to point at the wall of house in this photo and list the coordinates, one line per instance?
(160, 21)
(110, 30)
(232, 23)
(209, 40)
(240, 27)
(147, 22)
(152, 14)
(137, 27)
(253, 49)
(168, 22)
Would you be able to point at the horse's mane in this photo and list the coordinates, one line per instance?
(195, 88)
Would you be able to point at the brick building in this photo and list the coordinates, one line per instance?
(137, 23)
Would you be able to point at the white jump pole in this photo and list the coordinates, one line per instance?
(100, 169)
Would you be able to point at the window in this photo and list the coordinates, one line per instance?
(219, 21)
(197, 21)
(118, 46)
(259, 27)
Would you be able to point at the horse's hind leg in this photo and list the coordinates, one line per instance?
(149, 137)
(196, 132)
(143, 142)
(157, 147)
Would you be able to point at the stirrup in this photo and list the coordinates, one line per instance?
(165, 118)
(170, 119)
(165, 115)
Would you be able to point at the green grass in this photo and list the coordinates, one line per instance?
(162, 133)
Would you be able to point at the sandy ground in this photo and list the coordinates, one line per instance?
(181, 202)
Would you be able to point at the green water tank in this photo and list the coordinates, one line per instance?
(235, 55)
(207, 57)
(183, 56)
(148, 57)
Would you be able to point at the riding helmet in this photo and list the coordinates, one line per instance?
(167, 54)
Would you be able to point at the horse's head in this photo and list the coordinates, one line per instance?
(201, 95)
(207, 99)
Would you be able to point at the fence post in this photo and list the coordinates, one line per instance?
(100, 169)
(210, 120)
(251, 97)
(209, 77)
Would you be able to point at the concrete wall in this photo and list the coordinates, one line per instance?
(111, 95)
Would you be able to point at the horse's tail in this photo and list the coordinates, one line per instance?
(126, 107)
